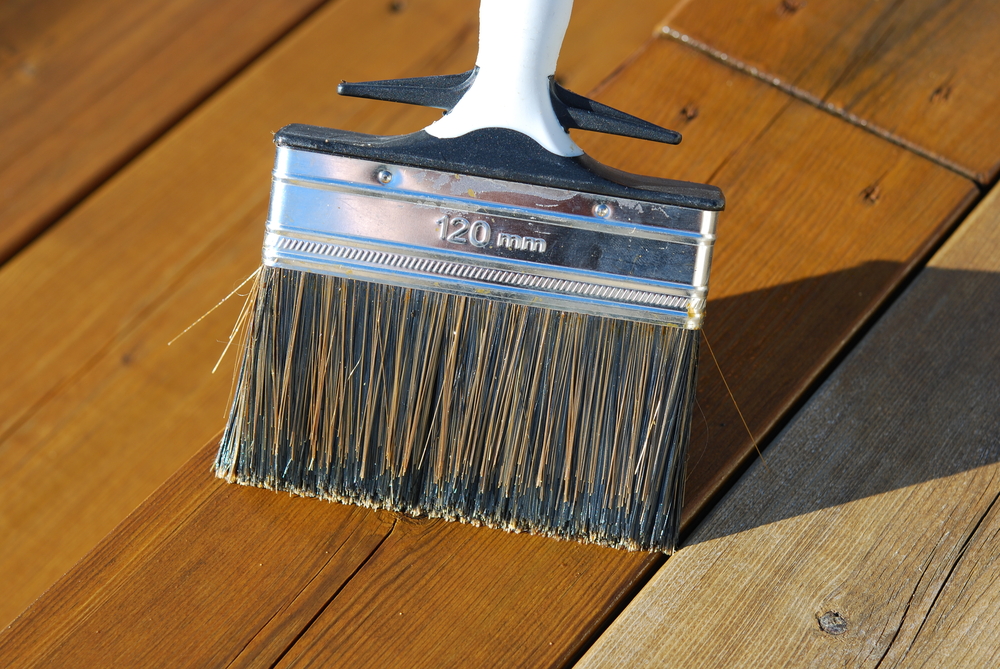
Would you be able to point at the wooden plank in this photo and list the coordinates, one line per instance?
(95, 410)
(804, 243)
(85, 85)
(441, 594)
(807, 258)
(823, 221)
(870, 539)
(927, 72)
(601, 37)
(257, 588)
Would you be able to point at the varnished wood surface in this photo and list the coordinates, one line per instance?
(514, 600)
(249, 590)
(85, 84)
(209, 574)
(95, 410)
(925, 71)
(878, 505)
(824, 221)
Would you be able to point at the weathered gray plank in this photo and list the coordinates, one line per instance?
(876, 511)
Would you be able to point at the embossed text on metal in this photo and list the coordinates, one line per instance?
(489, 238)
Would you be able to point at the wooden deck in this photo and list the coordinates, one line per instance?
(851, 139)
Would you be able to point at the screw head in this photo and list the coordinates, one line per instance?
(602, 210)
(384, 176)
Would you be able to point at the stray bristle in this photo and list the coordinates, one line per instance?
(511, 416)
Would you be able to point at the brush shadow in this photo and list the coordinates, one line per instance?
(917, 399)
(772, 345)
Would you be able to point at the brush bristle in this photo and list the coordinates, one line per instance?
(500, 414)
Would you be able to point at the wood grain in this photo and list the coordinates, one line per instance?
(803, 242)
(823, 221)
(925, 71)
(187, 598)
(439, 594)
(792, 263)
(102, 411)
(95, 410)
(877, 510)
(86, 84)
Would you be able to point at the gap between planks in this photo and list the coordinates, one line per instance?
(93, 396)
(81, 104)
(877, 544)
(805, 96)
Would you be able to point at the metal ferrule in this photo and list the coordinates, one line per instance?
(454, 233)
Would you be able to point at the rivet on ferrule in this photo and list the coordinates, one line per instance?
(384, 176)
(602, 210)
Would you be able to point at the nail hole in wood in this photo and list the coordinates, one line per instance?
(689, 112)
(790, 6)
(941, 93)
(872, 194)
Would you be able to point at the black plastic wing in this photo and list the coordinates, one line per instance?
(572, 110)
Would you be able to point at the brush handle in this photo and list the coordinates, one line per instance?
(519, 43)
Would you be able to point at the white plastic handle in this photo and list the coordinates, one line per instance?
(519, 44)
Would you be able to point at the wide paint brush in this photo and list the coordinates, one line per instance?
(477, 321)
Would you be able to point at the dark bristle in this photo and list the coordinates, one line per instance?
(493, 413)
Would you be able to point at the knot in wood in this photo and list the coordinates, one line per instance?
(832, 622)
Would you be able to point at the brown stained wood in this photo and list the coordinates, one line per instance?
(84, 85)
(925, 71)
(871, 537)
(194, 575)
(807, 259)
(822, 221)
(601, 38)
(439, 594)
(95, 410)
(800, 176)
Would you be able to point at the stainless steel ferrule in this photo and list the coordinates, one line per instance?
(447, 232)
